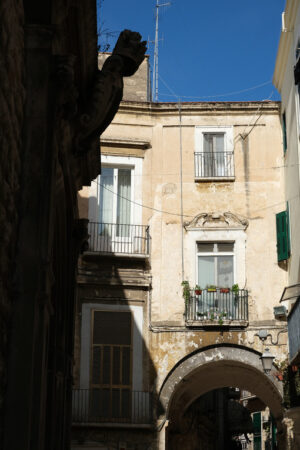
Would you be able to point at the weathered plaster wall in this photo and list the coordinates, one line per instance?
(12, 94)
(255, 195)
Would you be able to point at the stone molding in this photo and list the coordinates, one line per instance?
(217, 221)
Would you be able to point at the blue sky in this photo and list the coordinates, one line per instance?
(209, 48)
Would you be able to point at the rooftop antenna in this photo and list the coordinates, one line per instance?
(155, 62)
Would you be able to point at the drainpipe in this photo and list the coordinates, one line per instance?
(181, 190)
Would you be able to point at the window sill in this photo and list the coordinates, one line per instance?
(216, 324)
(221, 179)
(91, 254)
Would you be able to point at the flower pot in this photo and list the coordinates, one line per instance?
(224, 290)
(211, 290)
(198, 291)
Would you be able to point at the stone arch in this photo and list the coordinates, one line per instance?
(216, 367)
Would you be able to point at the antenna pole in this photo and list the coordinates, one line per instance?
(155, 62)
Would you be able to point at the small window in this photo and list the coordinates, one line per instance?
(214, 153)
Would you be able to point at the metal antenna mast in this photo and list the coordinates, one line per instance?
(155, 62)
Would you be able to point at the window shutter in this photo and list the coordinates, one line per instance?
(282, 236)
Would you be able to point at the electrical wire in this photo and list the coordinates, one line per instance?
(252, 88)
(140, 204)
(173, 94)
(188, 215)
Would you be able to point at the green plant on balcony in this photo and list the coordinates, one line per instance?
(216, 316)
(235, 288)
(186, 291)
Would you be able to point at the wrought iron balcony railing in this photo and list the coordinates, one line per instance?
(119, 238)
(111, 405)
(214, 165)
(218, 307)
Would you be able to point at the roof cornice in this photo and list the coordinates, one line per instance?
(198, 107)
(286, 39)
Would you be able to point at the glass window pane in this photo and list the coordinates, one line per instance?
(205, 247)
(96, 368)
(207, 142)
(106, 196)
(206, 271)
(126, 365)
(225, 246)
(219, 140)
(116, 372)
(123, 201)
(106, 365)
(225, 271)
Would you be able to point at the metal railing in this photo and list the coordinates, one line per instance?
(214, 165)
(294, 330)
(119, 238)
(114, 405)
(217, 306)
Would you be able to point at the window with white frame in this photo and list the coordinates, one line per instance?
(115, 213)
(214, 152)
(115, 200)
(215, 262)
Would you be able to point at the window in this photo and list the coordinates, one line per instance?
(111, 364)
(215, 264)
(115, 201)
(283, 235)
(214, 153)
(115, 214)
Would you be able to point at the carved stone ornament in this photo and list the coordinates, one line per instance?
(217, 220)
(107, 90)
(67, 93)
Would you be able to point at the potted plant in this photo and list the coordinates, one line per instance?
(186, 291)
(211, 288)
(198, 290)
(224, 290)
(235, 288)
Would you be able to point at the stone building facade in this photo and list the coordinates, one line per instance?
(188, 196)
(287, 81)
(54, 105)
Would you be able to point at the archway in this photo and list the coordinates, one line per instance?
(218, 367)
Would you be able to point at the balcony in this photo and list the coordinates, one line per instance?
(294, 332)
(214, 166)
(111, 406)
(221, 307)
(119, 239)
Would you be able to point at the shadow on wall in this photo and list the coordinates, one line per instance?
(114, 376)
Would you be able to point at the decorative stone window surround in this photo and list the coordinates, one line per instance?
(216, 227)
